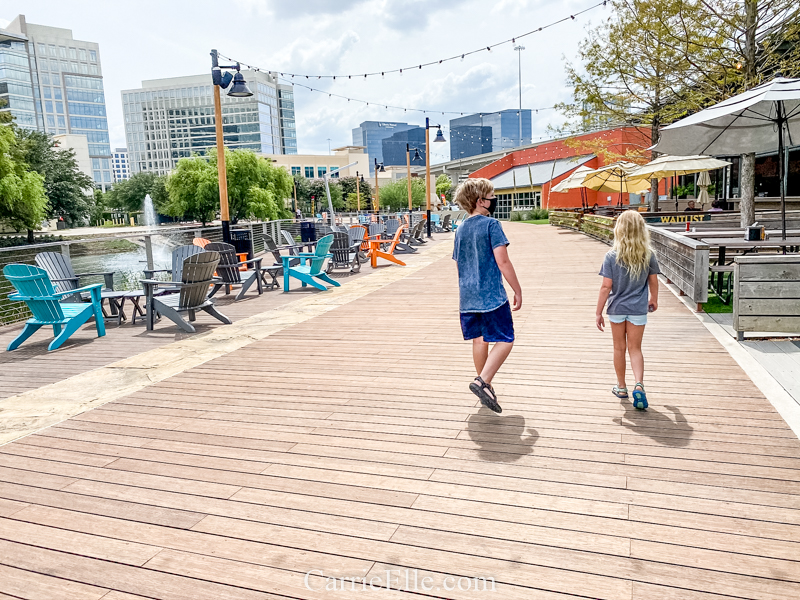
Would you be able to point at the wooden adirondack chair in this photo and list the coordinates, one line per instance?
(312, 273)
(228, 270)
(35, 289)
(59, 270)
(197, 273)
(377, 252)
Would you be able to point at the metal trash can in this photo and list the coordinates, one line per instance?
(308, 233)
(243, 242)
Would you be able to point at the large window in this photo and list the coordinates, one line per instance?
(297, 170)
(321, 171)
(309, 172)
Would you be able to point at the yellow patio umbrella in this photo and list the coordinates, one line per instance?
(617, 177)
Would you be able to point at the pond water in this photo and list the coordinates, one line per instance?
(128, 267)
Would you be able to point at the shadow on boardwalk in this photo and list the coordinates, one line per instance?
(657, 425)
(500, 438)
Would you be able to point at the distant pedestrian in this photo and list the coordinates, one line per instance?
(629, 270)
(716, 206)
(481, 255)
(690, 207)
(298, 215)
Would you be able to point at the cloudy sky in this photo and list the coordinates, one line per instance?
(151, 39)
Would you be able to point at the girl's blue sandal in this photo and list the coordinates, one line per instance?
(619, 392)
(639, 397)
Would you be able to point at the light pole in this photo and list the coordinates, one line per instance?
(239, 89)
(408, 173)
(376, 202)
(328, 189)
(519, 50)
(439, 138)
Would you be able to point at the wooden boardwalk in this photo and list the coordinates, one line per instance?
(348, 445)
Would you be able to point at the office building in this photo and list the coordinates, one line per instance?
(314, 166)
(394, 147)
(169, 119)
(119, 164)
(54, 83)
(371, 134)
(488, 132)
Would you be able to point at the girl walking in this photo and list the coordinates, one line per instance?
(629, 271)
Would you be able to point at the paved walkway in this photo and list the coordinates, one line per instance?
(347, 444)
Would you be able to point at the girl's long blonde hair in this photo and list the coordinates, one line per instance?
(632, 243)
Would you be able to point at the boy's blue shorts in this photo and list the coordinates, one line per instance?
(494, 326)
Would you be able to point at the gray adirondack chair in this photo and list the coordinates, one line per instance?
(62, 275)
(446, 226)
(416, 236)
(179, 254)
(345, 253)
(392, 225)
(197, 273)
(229, 273)
(376, 229)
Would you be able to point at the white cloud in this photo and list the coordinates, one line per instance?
(322, 36)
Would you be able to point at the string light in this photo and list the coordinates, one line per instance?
(461, 56)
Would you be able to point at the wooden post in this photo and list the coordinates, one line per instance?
(376, 202)
(65, 250)
(358, 194)
(148, 250)
(221, 172)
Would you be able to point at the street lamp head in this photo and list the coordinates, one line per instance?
(439, 136)
(239, 88)
(382, 170)
(416, 154)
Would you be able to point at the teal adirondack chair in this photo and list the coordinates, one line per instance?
(35, 289)
(311, 273)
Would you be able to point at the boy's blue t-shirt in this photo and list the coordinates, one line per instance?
(480, 282)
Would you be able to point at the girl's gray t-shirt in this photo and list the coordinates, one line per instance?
(628, 295)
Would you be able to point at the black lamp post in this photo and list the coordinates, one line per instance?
(376, 204)
(439, 138)
(238, 89)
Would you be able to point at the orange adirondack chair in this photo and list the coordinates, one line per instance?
(375, 251)
(202, 242)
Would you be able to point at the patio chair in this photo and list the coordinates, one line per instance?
(416, 236)
(179, 254)
(201, 242)
(376, 229)
(344, 253)
(197, 274)
(435, 226)
(59, 270)
(388, 254)
(229, 273)
(392, 225)
(35, 289)
(446, 226)
(311, 273)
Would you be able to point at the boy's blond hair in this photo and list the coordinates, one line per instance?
(632, 243)
(472, 190)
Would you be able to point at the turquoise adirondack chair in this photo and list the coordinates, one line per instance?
(35, 289)
(311, 273)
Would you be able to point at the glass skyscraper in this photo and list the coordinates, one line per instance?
(52, 82)
(488, 132)
(170, 119)
(371, 134)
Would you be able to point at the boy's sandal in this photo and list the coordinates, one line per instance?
(486, 394)
(639, 396)
(619, 392)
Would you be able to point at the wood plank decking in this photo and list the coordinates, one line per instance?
(349, 445)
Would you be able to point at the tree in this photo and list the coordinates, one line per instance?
(755, 40)
(193, 190)
(23, 202)
(97, 207)
(129, 195)
(67, 188)
(444, 185)
(316, 189)
(348, 185)
(632, 71)
(394, 195)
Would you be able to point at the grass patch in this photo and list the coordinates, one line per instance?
(537, 221)
(715, 305)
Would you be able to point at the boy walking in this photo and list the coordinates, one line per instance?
(481, 255)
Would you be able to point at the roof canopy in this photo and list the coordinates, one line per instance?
(537, 173)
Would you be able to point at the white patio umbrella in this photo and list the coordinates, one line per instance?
(758, 120)
(703, 181)
(672, 166)
(574, 181)
(617, 177)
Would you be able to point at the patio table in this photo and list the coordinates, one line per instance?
(737, 243)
